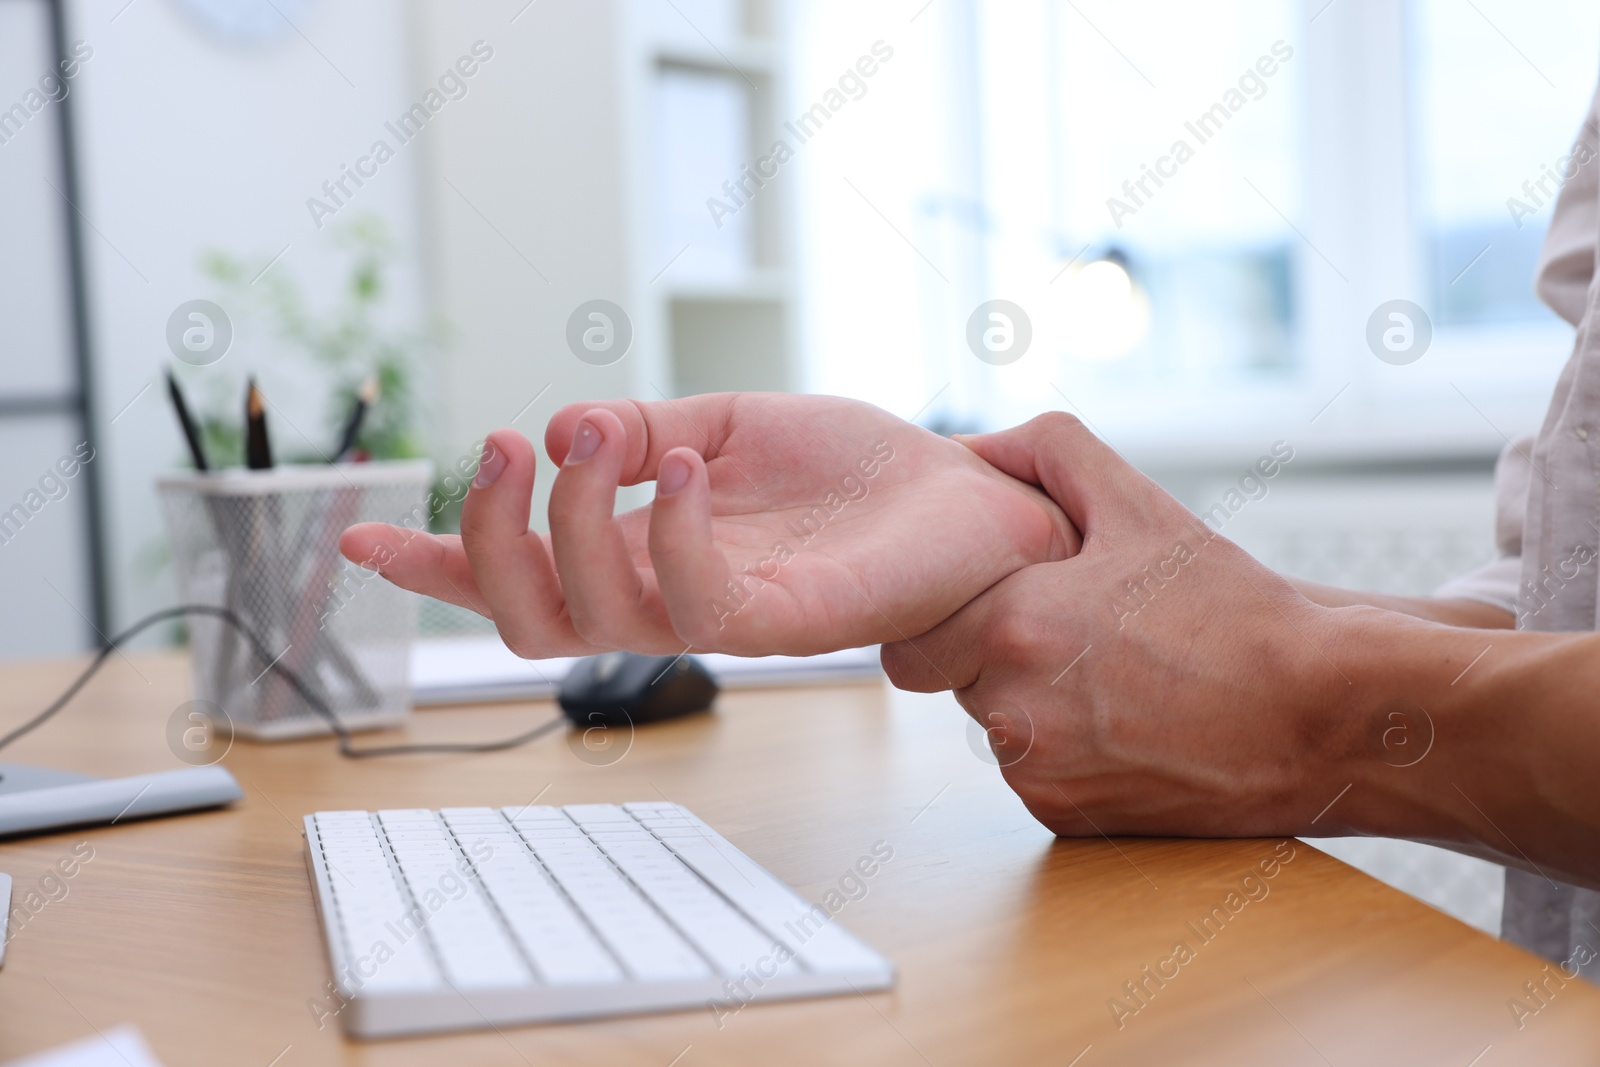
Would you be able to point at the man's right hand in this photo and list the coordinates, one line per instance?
(1162, 682)
(1159, 682)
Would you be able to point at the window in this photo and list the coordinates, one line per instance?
(1198, 208)
(1490, 135)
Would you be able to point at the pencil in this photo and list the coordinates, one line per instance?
(190, 434)
(352, 427)
(257, 449)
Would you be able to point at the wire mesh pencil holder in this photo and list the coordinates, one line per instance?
(265, 544)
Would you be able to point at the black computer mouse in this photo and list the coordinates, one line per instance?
(616, 688)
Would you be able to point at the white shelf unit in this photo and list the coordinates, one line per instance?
(545, 188)
(731, 328)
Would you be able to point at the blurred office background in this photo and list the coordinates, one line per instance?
(939, 154)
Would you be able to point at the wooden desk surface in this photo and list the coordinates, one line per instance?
(201, 929)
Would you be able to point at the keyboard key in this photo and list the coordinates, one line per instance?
(466, 935)
(806, 929)
(595, 814)
(719, 931)
(562, 947)
(634, 931)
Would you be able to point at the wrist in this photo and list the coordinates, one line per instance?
(1411, 710)
(1473, 740)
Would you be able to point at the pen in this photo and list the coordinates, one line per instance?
(190, 434)
(257, 449)
(352, 427)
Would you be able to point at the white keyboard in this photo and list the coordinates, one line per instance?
(472, 917)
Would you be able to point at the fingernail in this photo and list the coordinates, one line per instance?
(673, 475)
(585, 441)
(490, 467)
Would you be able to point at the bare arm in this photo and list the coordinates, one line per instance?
(1457, 611)
(1510, 722)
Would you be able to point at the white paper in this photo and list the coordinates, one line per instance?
(121, 1046)
(459, 670)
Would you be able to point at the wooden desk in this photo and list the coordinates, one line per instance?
(201, 929)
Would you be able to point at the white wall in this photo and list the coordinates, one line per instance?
(529, 200)
(187, 144)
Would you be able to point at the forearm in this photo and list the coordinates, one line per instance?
(1457, 611)
(1484, 743)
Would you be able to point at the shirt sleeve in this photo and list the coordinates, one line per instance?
(1497, 583)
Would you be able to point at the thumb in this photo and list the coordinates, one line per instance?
(1056, 452)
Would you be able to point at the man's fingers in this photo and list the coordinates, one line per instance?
(509, 561)
(425, 563)
(1058, 453)
(690, 570)
(949, 656)
(606, 596)
(650, 430)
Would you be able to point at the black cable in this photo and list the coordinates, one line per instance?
(305, 691)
